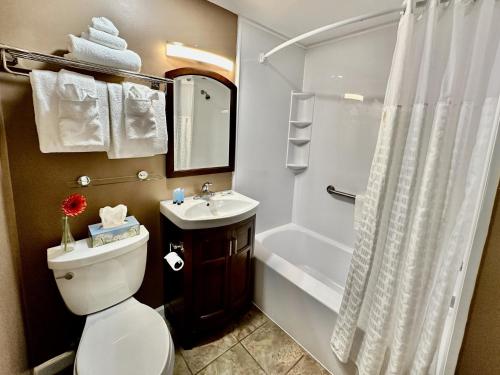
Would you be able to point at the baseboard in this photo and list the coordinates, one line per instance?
(56, 364)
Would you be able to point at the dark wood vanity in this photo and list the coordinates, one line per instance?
(216, 282)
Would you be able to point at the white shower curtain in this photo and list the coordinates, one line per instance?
(183, 131)
(437, 131)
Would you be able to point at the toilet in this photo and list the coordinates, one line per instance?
(121, 336)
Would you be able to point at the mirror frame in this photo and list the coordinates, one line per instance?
(170, 168)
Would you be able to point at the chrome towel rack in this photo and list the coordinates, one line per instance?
(10, 57)
(86, 181)
(330, 189)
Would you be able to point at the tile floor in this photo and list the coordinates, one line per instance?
(252, 345)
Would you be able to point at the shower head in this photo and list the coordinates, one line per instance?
(207, 95)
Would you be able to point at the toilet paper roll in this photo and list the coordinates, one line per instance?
(174, 261)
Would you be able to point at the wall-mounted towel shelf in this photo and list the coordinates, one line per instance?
(85, 181)
(330, 189)
(10, 57)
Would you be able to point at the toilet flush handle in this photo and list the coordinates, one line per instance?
(67, 276)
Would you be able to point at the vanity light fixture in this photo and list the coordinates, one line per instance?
(184, 52)
(354, 96)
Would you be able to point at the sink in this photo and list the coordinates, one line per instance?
(223, 208)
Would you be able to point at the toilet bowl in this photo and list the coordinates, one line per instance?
(127, 339)
(121, 335)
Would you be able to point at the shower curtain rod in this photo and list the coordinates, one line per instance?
(264, 56)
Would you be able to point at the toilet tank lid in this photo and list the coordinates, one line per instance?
(83, 255)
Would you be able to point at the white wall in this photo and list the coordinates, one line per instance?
(344, 132)
(263, 100)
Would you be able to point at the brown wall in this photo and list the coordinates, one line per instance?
(480, 352)
(39, 181)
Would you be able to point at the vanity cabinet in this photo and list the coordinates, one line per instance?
(216, 281)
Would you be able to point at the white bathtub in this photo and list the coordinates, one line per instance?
(299, 281)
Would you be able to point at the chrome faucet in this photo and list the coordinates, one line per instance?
(206, 194)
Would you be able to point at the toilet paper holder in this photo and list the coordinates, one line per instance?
(176, 246)
(173, 259)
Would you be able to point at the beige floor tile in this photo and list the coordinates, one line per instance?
(308, 366)
(248, 323)
(235, 361)
(207, 350)
(180, 367)
(273, 349)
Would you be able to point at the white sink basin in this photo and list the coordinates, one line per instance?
(224, 208)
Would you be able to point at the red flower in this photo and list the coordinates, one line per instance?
(74, 205)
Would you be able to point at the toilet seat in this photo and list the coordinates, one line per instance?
(127, 339)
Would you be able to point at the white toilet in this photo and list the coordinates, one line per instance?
(121, 336)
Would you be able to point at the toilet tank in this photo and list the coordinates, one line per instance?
(93, 279)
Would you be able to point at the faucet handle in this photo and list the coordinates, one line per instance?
(205, 187)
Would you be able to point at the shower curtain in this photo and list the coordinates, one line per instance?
(438, 128)
(183, 131)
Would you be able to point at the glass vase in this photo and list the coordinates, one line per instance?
(67, 242)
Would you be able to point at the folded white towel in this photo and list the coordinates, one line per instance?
(105, 39)
(123, 147)
(75, 86)
(103, 24)
(85, 50)
(140, 117)
(79, 123)
(46, 100)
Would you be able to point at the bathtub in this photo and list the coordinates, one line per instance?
(299, 282)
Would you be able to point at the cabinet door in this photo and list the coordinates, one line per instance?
(240, 265)
(210, 254)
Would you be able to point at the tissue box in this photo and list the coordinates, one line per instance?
(99, 236)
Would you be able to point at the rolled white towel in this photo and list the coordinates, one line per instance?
(85, 50)
(103, 24)
(108, 40)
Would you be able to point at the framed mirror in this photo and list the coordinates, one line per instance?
(201, 122)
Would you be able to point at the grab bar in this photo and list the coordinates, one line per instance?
(330, 189)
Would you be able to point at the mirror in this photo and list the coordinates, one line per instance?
(201, 123)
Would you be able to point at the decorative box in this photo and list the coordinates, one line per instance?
(99, 236)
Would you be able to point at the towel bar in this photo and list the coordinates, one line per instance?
(85, 181)
(10, 57)
(330, 189)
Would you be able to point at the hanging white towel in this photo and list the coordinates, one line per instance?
(85, 50)
(79, 120)
(140, 117)
(123, 147)
(105, 39)
(46, 101)
(105, 25)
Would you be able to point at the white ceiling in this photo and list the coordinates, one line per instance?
(294, 17)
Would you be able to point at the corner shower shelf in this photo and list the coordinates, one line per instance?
(302, 95)
(299, 130)
(300, 124)
(299, 141)
(297, 166)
